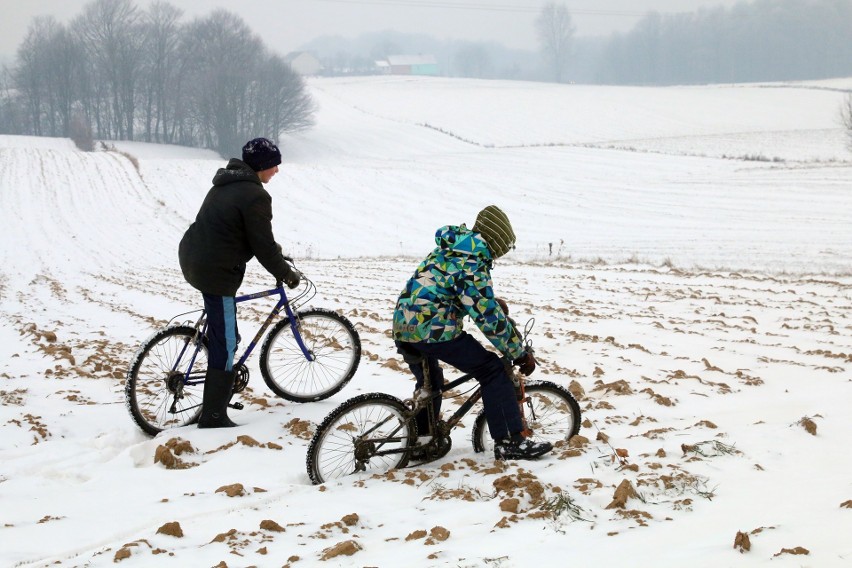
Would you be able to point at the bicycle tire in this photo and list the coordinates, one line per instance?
(332, 450)
(152, 384)
(336, 348)
(551, 412)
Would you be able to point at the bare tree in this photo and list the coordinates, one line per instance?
(472, 60)
(111, 35)
(30, 72)
(11, 115)
(162, 70)
(555, 33)
(846, 118)
(279, 101)
(118, 73)
(225, 56)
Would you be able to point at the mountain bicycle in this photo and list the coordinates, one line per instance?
(376, 432)
(307, 356)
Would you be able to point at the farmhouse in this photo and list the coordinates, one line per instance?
(303, 62)
(413, 64)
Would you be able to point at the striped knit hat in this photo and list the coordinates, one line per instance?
(495, 228)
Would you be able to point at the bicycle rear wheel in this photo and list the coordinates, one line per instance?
(156, 393)
(551, 412)
(368, 433)
(335, 348)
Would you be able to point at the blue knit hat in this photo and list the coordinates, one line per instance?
(261, 154)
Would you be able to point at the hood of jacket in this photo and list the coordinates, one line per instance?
(235, 171)
(460, 239)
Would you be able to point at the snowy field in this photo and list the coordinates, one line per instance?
(686, 253)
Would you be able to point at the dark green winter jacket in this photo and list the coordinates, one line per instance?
(233, 225)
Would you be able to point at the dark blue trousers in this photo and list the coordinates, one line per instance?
(468, 356)
(221, 331)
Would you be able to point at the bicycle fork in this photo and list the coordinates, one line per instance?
(521, 395)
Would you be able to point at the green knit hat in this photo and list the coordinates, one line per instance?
(495, 228)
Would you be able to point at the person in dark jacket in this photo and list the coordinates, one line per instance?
(454, 281)
(233, 225)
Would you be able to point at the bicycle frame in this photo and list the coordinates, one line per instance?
(443, 427)
(190, 378)
(426, 403)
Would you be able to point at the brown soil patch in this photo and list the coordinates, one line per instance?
(577, 390)
(809, 425)
(623, 492)
(172, 529)
(167, 453)
(300, 428)
(795, 551)
(519, 484)
(233, 490)
(269, 525)
(345, 548)
(436, 535)
(509, 505)
(12, 398)
(742, 542)
(618, 387)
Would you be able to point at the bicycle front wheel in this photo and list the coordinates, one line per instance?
(156, 392)
(551, 412)
(368, 433)
(334, 348)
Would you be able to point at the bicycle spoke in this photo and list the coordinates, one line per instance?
(334, 350)
(156, 393)
(368, 432)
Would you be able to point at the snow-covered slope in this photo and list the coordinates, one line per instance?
(701, 304)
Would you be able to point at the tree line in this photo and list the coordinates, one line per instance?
(116, 72)
(764, 40)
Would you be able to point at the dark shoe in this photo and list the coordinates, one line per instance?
(218, 388)
(519, 448)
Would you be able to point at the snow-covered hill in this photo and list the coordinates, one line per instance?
(701, 301)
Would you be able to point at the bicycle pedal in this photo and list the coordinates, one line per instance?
(236, 405)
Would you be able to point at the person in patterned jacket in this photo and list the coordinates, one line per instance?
(452, 282)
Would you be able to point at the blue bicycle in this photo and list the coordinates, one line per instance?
(307, 356)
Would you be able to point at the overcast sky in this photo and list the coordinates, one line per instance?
(286, 24)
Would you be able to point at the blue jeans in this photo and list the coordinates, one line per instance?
(221, 331)
(469, 356)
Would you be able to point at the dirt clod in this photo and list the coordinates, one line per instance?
(623, 492)
(809, 425)
(270, 525)
(416, 535)
(742, 542)
(233, 490)
(437, 534)
(795, 551)
(345, 548)
(171, 529)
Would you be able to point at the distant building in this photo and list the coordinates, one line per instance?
(413, 64)
(304, 63)
(383, 67)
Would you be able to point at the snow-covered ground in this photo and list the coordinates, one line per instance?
(686, 253)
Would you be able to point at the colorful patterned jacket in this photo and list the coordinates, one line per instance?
(452, 282)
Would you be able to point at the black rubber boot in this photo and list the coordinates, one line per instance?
(218, 388)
